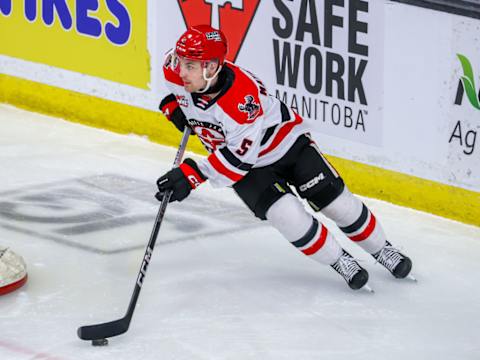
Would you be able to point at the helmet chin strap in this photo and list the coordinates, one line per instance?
(209, 79)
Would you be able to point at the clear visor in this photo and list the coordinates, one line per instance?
(176, 59)
(175, 62)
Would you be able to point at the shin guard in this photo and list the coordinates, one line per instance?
(303, 231)
(356, 221)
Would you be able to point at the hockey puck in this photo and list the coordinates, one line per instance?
(100, 342)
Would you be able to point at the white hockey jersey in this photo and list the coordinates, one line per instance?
(243, 127)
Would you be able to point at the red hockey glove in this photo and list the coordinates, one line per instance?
(170, 108)
(181, 180)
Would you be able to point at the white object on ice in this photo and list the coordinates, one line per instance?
(13, 271)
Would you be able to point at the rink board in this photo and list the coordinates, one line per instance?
(396, 109)
(448, 201)
(217, 276)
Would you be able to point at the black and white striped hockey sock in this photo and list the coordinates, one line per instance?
(356, 221)
(303, 231)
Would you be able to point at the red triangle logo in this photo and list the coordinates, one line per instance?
(233, 17)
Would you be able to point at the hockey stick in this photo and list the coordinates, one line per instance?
(113, 328)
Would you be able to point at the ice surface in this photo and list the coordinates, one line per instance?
(77, 204)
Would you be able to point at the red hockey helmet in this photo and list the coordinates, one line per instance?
(202, 43)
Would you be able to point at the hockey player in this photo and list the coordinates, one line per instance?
(262, 149)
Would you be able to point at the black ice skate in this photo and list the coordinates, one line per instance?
(394, 261)
(355, 276)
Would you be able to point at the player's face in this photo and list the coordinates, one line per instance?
(191, 73)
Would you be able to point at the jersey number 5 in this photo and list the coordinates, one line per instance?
(244, 147)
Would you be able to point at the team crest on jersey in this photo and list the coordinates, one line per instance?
(182, 100)
(250, 107)
(211, 135)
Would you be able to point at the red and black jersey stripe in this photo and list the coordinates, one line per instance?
(233, 160)
(281, 134)
(222, 169)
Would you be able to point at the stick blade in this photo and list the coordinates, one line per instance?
(103, 331)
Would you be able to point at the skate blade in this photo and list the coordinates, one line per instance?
(368, 289)
(413, 278)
